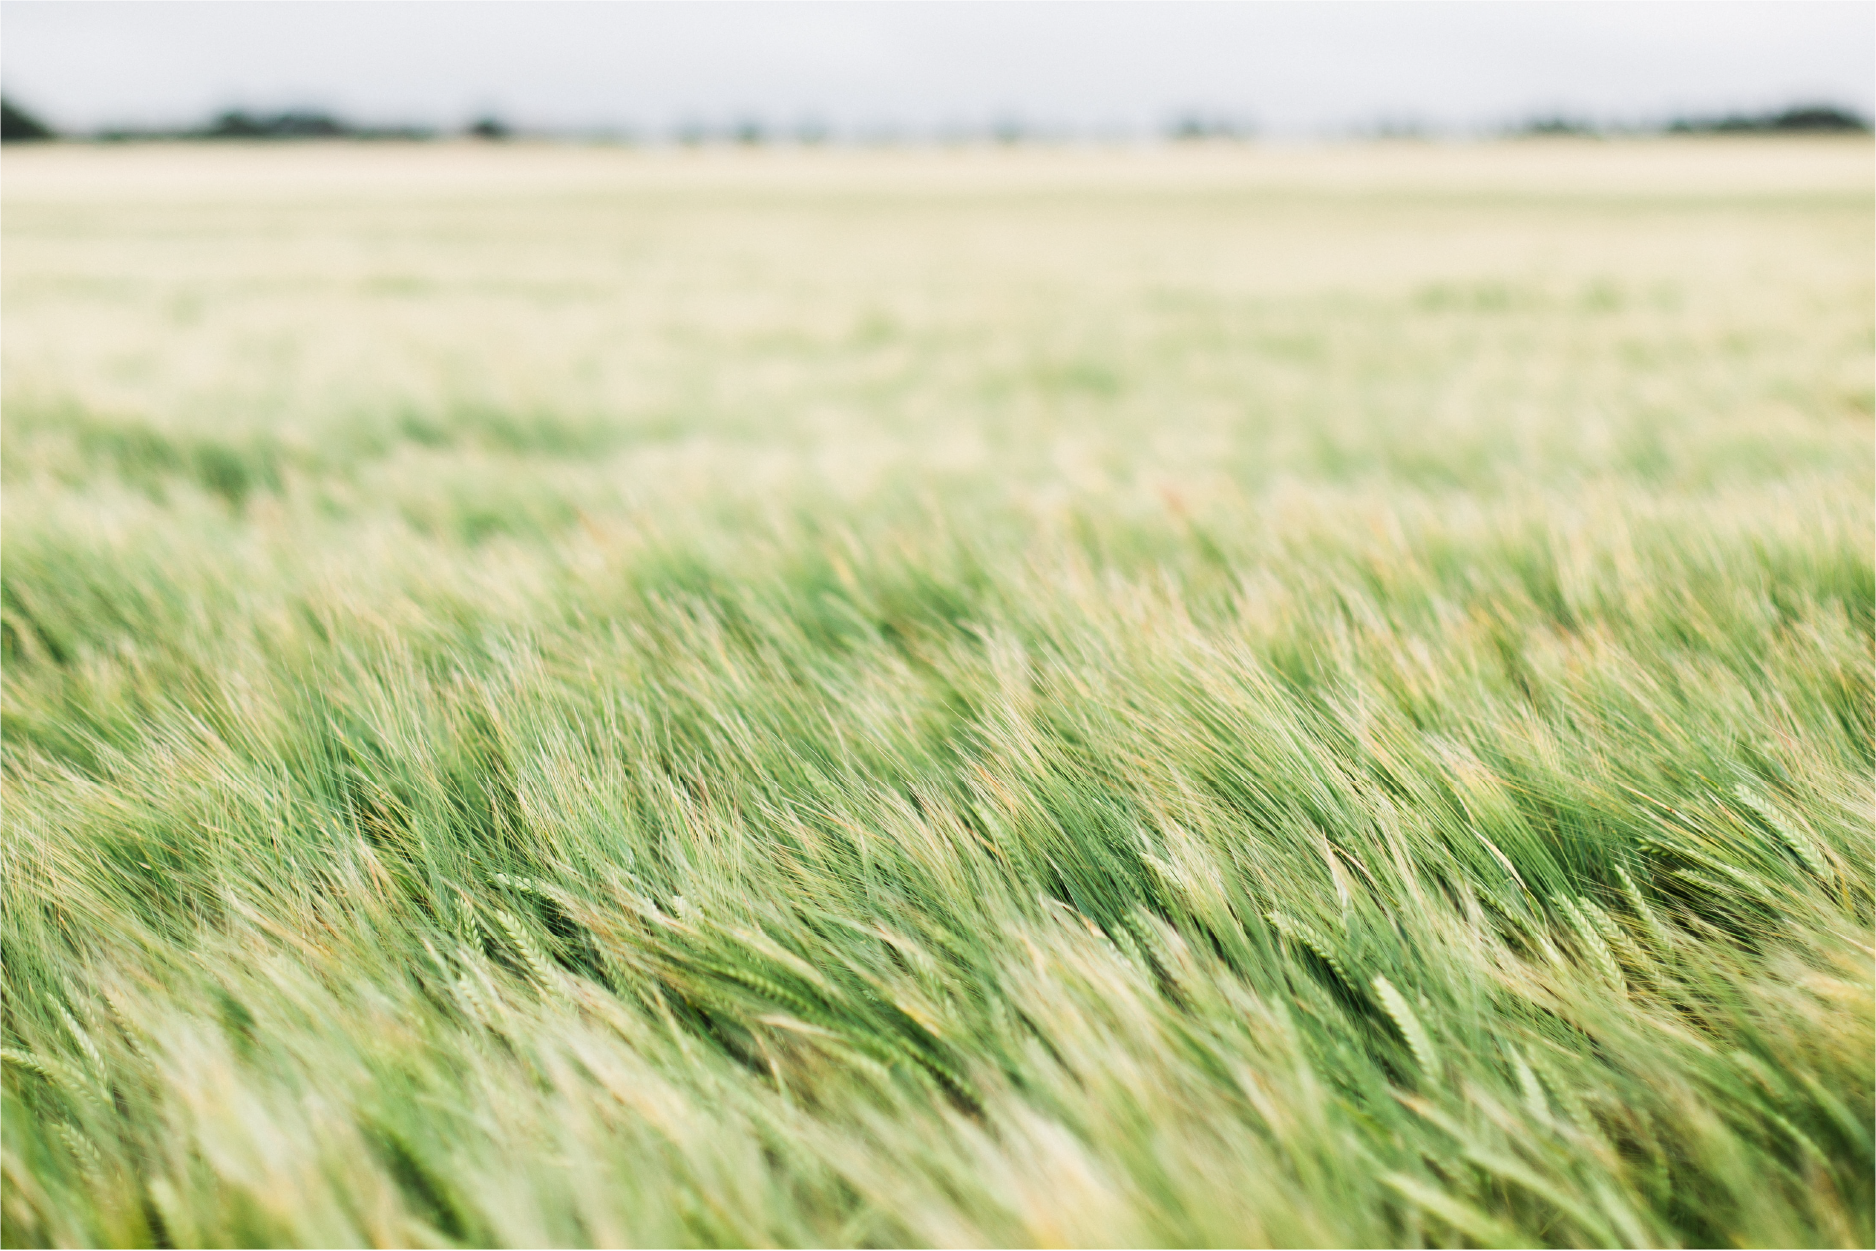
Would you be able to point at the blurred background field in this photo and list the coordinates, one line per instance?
(1048, 695)
(1111, 321)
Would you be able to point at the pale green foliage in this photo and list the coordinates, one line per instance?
(957, 700)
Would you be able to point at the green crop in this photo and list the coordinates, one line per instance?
(1248, 698)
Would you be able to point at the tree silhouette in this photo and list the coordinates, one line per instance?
(17, 125)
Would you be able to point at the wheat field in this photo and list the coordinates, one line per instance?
(1209, 695)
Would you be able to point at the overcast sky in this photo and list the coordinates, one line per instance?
(1288, 68)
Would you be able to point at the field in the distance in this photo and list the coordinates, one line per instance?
(1205, 696)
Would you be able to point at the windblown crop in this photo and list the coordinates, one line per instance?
(1213, 697)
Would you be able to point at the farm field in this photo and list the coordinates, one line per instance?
(1209, 695)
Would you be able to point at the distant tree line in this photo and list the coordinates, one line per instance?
(293, 124)
(1796, 120)
(1804, 118)
(19, 125)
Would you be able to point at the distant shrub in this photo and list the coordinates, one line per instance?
(1191, 126)
(1557, 124)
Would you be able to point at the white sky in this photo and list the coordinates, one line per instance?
(1288, 68)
